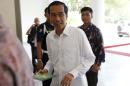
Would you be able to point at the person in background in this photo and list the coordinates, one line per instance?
(42, 32)
(69, 51)
(15, 66)
(32, 34)
(96, 41)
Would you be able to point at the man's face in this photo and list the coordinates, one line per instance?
(86, 17)
(58, 16)
(36, 21)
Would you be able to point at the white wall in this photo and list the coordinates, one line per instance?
(7, 10)
(29, 10)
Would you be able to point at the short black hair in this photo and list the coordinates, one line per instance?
(86, 9)
(46, 10)
(58, 3)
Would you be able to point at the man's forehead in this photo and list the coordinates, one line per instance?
(86, 11)
(57, 8)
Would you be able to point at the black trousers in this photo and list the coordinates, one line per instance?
(92, 78)
(44, 60)
(46, 82)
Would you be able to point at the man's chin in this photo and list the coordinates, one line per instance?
(58, 25)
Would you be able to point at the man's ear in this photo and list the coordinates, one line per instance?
(45, 14)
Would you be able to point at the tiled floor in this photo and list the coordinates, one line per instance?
(114, 72)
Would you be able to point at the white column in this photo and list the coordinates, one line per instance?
(98, 12)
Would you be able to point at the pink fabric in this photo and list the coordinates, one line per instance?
(13, 55)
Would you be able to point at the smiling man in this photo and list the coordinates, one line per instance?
(69, 51)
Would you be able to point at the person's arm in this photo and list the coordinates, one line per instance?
(39, 56)
(99, 50)
(29, 30)
(39, 49)
(87, 59)
(87, 56)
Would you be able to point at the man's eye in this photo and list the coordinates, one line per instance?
(53, 14)
(85, 14)
(60, 14)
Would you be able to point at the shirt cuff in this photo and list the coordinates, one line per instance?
(74, 73)
(47, 68)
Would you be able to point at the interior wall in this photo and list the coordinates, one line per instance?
(7, 10)
(19, 14)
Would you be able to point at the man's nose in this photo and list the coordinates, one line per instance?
(57, 17)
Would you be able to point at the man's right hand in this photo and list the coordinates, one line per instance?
(43, 71)
(39, 65)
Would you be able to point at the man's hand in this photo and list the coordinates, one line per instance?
(95, 67)
(44, 71)
(39, 65)
(67, 80)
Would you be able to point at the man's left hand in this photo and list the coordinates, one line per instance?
(67, 80)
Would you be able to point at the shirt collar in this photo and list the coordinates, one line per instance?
(89, 26)
(65, 31)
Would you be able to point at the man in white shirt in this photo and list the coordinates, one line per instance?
(69, 51)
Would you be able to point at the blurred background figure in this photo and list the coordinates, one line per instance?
(15, 67)
(32, 37)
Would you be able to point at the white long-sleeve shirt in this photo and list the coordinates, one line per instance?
(69, 53)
